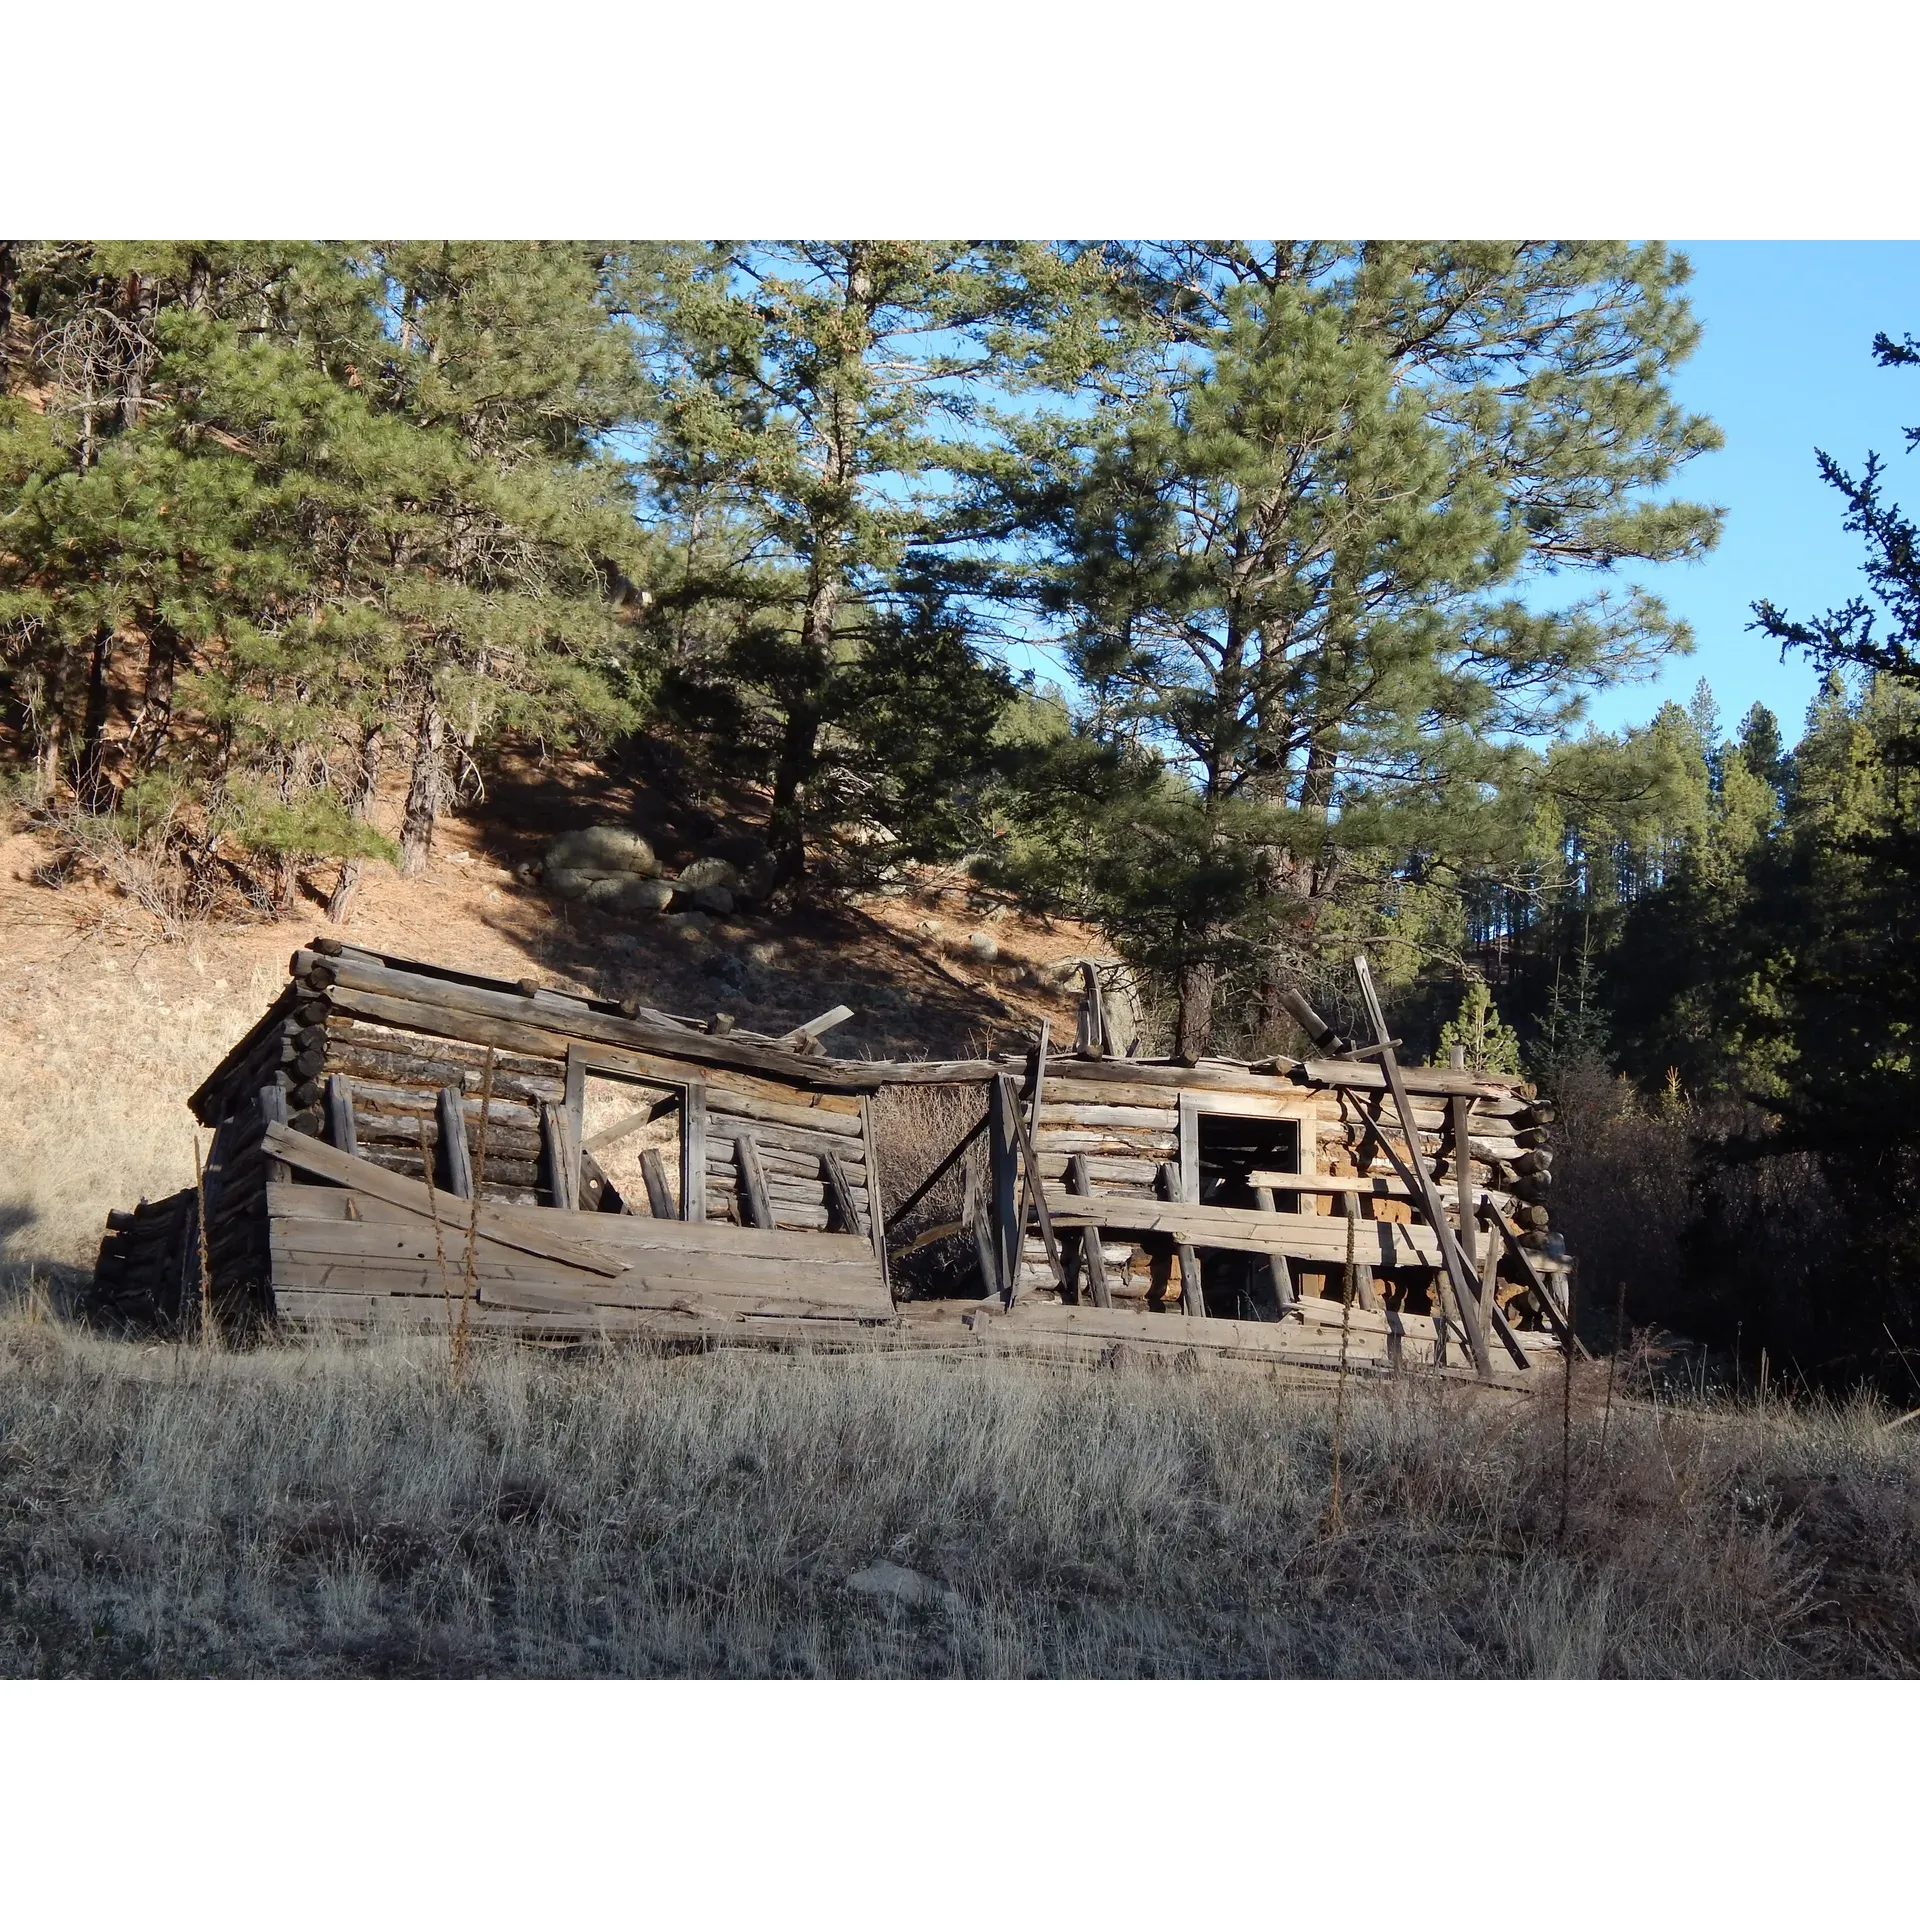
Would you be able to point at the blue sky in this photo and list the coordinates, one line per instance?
(1784, 365)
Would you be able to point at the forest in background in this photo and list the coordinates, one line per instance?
(1322, 539)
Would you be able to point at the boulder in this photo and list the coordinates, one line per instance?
(603, 850)
(629, 895)
(886, 1580)
(713, 899)
(756, 879)
(710, 873)
(983, 947)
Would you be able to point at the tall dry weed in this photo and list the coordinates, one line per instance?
(351, 1510)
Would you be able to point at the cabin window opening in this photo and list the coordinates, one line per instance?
(1229, 1148)
(633, 1146)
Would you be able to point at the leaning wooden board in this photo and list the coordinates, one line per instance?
(664, 1265)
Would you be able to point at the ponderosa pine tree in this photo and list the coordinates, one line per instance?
(831, 463)
(1295, 565)
(344, 499)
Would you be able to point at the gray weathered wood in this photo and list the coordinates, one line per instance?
(693, 1155)
(753, 1182)
(654, 1172)
(819, 1024)
(511, 1226)
(1003, 1177)
(1463, 1282)
(272, 1103)
(557, 1157)
(845, 1208)
(456, 1165)
(1092, 1252)
(1192, 1301)
(1283, 1286)
(340, 1127)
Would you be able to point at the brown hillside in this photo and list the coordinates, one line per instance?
(107, 1023)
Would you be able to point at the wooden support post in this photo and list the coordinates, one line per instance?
(456, 1167)
(1192, 1301)
(556, 1153)
(654, 1172)
(693, 1153)
(1466, 1294)
(846, 1213)
(273, 1113)
(340, 1127)
(1090, 1038)
(1282, 1274)
(1032, 1189)
(973, 1211)
(753, 1182)
(1080, 1181)
(1003, 1180)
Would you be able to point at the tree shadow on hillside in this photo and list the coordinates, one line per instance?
(770, 971)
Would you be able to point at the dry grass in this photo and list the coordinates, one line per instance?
(353, 1511)
(101, 1055)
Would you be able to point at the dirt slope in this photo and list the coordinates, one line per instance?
(106, 1024)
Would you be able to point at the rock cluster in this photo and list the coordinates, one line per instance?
(614, 869)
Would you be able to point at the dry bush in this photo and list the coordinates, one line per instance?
(350, 1510)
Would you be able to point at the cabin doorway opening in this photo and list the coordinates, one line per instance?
(1230, 1146)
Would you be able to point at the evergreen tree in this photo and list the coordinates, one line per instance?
(334, 500)
(1290, 564)
(1489, 1045)
(830, 460)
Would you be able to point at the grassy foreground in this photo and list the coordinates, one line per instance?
(358, 1510)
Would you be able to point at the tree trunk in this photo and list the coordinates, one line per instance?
(800, 739)
(424, 789)
(91, 785)
(340, 901)
(9, 273)
(1195, 1037)
(154, 721)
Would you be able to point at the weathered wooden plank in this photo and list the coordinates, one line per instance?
(322, 1255)
(693, 1155)
(1314, 1236)
(340, 1127)
(1091, 1249)
(1192, 1300)
(1057, 1113)
(729, 1126)
(1123, 1146)
(456, 1165)
(753, 1182)
(1107, 1169)
(447, 1001)
(557, 1158)
(1003, 1175)
(508, 1225)
(653, 1171)
(847, 1216)
(631, 1238)
(1366, 1075)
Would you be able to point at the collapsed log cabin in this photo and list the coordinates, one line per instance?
(391, 1136)
(395, 1144)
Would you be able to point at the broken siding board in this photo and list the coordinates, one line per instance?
(1309, 1235)
(618, 1241)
